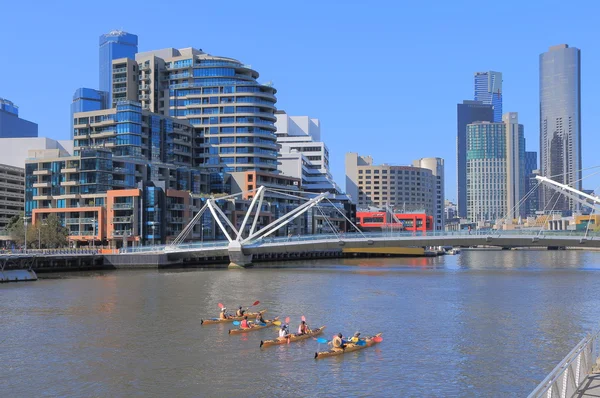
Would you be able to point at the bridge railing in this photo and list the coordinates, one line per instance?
(568, 376)
(369, 235)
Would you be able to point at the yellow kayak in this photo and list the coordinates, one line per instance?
(292, 338)
(369, 341)
(229, 320)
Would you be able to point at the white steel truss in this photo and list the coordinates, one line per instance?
(570, 192)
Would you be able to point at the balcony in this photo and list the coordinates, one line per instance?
(42, 197)
(120, 80)
(144, 67)
(45, 172)
(120, 70)
(126, 233)
(103, 134)
(176, 220)
(122, 220)
(144, 97)
(42, 184)
(70, 170)
(147, 77)
(120, 90)
(68, 183)
(122, 206)
(145, 87)
(177, 206)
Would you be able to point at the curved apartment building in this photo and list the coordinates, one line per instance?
(233, 115)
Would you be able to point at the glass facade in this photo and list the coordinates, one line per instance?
(85, 100)
(11, 125)
(114, 45)
(468, 112)
(486, 172)
(488, 89)
(560, 123)
(206, 90)
(531, 164)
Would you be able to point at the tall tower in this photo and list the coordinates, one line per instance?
(488, 89)
(466, 113)
(560, 123)
(114, 45)
(515, 165)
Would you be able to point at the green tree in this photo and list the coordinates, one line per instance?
(53, 234)
(16, 229)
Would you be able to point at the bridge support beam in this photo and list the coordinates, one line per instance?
(237, 258)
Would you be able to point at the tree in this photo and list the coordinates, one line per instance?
(16, 229)
(53, 234)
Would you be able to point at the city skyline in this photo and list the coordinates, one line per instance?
(312, 86)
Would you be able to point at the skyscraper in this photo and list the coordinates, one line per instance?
(436, 165)
(486, 171)
(468, 112)
(531, 166)
(560, 123)
(11, 125)
(488, 89)
(85, 100)
(114, 45)
(515, 165)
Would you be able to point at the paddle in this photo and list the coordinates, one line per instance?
(221, 305)
(303, 318)
(236, 323)
(322, 340)
(277, 323)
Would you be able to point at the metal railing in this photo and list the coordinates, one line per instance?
(566, 378)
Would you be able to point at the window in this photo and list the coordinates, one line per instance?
(360, 171)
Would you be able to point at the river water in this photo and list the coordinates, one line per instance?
(479, 324)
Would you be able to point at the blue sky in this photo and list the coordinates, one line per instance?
(383, 77)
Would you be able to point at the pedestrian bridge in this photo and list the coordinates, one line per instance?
(241, 255)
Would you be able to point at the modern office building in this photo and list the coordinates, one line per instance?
(12, 194)
(515, 165)
(468, 112)
(560, 123)
(488, 89)
(436, 165)
(231, 113)
(495, 170)
(11, 125)
(302, 154)
(486, 172)
(406, 188)
(115, 44)
(531, 184)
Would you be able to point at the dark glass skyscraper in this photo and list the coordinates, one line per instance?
(531, 164)
(468, 112)
(488, 89)
(560, 123)
(114, 45)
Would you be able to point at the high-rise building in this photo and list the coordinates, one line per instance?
(468, 112)
(515, 165)
(233, 115)
(405, 188)
(560, 123)
(495, 170)
(436, 165)
(114, 45)
(11, 125)
(532, 190)
(486, 172)
(488, 89)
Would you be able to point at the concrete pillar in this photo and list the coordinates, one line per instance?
(237, 258)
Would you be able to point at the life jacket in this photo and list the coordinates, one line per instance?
(244, 324)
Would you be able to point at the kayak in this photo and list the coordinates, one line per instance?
(229, 320)
(254, 327)
(292, 338)
(349, 348)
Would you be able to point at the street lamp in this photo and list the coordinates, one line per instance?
(25, 223)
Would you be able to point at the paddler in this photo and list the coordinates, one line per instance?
(260, 319)
(283, 331)
(240, 311)
(245, 324)
(223, 314)
(356, 338)
(303, 328)
(338, 342)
